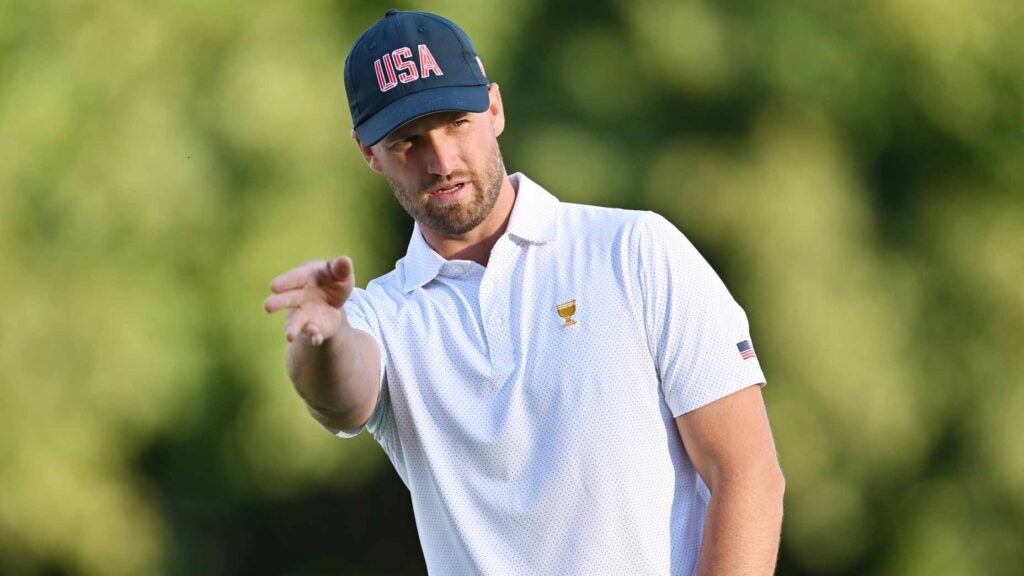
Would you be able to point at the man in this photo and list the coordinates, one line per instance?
(564, 389)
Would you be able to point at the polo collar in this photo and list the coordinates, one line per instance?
(420, 264)
(534, 220)
(534, 216)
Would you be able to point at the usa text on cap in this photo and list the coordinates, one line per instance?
(407, 65)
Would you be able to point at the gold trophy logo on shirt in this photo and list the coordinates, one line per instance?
(566, 310)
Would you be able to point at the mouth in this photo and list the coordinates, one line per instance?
(449, 191)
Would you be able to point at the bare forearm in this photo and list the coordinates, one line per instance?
(741, 531)
(335, 368)
(336, 379)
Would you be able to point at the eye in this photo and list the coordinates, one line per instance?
(460, 121)
(402, 143)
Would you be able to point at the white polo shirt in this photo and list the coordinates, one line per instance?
(537, 438)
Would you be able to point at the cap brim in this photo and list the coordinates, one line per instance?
(464, 98)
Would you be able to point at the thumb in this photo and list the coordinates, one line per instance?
(341, 269)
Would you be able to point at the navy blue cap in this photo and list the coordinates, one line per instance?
(407, 65)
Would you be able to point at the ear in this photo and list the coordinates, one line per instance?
(367, 153)
(496, 109)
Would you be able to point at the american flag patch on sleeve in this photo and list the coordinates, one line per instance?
(746, 350)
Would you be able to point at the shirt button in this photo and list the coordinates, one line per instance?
(496, 322)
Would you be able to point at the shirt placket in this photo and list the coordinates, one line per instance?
(494, 305)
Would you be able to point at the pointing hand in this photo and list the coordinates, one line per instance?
(314, 293)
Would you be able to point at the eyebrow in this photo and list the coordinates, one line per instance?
(402, 132)
(394, 137)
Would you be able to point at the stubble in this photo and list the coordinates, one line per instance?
(456, 218)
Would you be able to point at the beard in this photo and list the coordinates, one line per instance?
(456, 218)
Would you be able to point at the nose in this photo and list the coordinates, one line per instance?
(442, 155)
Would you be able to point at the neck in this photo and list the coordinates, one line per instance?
(476, 244)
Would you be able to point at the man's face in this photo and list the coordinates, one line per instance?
(445, 169)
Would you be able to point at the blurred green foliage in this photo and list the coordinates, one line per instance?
(854, 170)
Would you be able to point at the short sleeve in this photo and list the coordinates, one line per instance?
(698, 334)
(360, 316)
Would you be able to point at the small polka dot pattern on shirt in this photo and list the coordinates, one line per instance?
(532, 445)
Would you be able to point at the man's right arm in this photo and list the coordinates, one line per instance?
(334, 367)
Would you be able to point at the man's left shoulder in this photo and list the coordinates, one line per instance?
(590, 220)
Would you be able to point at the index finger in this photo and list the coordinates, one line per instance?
(296, 277)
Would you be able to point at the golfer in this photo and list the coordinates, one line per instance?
(564, 389)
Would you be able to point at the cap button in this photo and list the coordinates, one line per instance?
(391, 12)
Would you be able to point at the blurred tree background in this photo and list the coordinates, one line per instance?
(854, 170)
